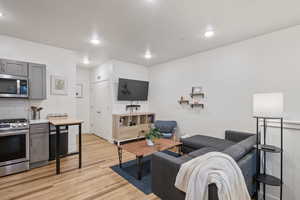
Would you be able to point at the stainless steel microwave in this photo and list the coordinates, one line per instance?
(13, 86)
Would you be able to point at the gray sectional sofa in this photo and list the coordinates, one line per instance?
(238, 145)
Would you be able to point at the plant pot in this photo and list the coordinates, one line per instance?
(149, 142)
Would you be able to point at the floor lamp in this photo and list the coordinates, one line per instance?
(268, 106)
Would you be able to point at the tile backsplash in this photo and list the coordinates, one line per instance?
(14, 108)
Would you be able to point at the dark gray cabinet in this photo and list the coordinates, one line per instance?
(37, 81)
(63, 139)
(39, 144)
(14, 68)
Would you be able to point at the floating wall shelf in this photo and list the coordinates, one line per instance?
(195, 94)
(197, 105)
(184, 102)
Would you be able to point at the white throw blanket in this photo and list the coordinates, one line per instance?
(195, 175)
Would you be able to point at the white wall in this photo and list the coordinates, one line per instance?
(127, 71)
(59, 62)
(83, 104)
(110, 72)
(230, 76)
(102, 72)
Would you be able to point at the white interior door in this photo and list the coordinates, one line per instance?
(101, 110)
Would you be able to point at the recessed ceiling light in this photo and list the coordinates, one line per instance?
(95, 41)
(148, 55)
(209, 34)
(86, 61)
(1, 14)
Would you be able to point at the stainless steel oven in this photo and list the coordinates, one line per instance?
(13, 86)
(14, 148)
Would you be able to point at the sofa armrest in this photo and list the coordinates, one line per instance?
(164, 169)
(248, 167)
(236, 136)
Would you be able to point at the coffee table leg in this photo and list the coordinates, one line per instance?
(120, 156)
(140, 167)
(180, 149)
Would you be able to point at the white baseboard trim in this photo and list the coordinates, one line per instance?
(108, 140)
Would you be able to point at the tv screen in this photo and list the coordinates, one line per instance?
(132, 90)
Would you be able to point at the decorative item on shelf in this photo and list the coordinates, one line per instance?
(196, 103)
(197, 91)
(183, 100)
(132, 107)
(121, 122)
(152, 135)
(265, 107)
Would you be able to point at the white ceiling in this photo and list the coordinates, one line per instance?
(127, 28)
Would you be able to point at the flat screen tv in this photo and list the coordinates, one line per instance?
(132, 90)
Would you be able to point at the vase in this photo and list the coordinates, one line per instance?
(149, 142)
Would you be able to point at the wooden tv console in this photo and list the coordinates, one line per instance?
(131, 126)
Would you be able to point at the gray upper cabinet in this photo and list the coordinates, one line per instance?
(14, 68)
(37, 81)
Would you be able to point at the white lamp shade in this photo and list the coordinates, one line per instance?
(268, 105)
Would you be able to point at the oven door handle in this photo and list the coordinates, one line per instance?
(21, 132)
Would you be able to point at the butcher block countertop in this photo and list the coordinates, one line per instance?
(61, 121)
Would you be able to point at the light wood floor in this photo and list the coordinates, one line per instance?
(94, 181)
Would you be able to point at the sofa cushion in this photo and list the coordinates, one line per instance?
(202, 151)
(167, 135)
(195, 154)
(224, 145)
(237, 136)
(200, 141)
(186, 149)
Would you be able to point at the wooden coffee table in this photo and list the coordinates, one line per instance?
(141, 149)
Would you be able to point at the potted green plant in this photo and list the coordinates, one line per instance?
(153, 134)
